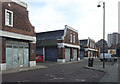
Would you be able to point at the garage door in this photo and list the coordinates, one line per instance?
(75, 54)
(67, 54)
(51, 54)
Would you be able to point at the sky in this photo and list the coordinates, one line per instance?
(82, 15)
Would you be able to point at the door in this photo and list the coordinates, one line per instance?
(67, 54)
(26, 57)
(51, 54)
(15, 57)
(82, 54)
(21, 54)
(75, 54)
(9, 57)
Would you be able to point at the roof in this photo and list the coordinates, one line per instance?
(16, 1)
(57, 34)
(84, 42)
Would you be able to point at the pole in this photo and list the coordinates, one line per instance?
(103, 34)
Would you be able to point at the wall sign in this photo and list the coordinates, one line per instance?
(112, 51)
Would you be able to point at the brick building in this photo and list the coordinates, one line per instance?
(60, 45)
(18, 39)
(88, 49)
(100, 45)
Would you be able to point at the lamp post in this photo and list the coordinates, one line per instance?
(103, 30)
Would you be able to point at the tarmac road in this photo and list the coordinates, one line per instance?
(68, 72)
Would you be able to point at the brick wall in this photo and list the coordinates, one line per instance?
(0, 15)
(67, 37)
(61, 53)
(32, 51)
(91, 44)
(21, 23)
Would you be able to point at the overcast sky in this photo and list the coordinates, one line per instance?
(82, 15)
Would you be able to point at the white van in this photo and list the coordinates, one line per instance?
(108, 57)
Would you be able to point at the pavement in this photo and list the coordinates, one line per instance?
(100, 67)
(111, 70)
(111, 75)
(22, 69)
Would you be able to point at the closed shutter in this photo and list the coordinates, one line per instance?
(26, 56)
(75, 54)
(67, 54)
(51, 54)
(21, 54)
(17, 55)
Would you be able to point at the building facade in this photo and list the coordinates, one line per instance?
(113, 39)
(100, 45)
(59, 45)
(88, 49)
(18, 39)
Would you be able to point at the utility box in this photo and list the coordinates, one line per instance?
(90, 62)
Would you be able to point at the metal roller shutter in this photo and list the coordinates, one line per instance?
(51, 54)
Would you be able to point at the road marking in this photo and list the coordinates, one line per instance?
(81, 80)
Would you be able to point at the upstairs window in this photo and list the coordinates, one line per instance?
(70, 37)
(73, 38)
(8, 18)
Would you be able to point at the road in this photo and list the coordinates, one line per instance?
(68, 72)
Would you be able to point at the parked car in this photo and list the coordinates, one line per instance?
(108, 57)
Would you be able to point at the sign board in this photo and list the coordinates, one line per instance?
(112, 51)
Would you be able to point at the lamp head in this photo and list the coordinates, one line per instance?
(98, 5)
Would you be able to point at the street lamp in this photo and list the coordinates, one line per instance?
(103, 30)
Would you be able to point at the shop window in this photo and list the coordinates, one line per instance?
(8, 18)
(15, 46)
(20, 46)
(9, 46)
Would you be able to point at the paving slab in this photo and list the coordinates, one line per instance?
(111, 75)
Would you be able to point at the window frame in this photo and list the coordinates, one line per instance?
(71, 38)
(6, 23)
(74, 39)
